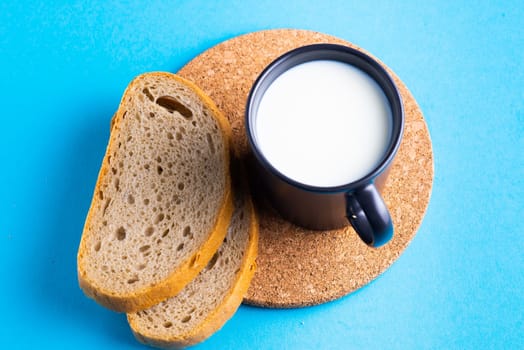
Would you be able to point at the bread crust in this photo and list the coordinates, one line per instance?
(189, 269)
(224, 311)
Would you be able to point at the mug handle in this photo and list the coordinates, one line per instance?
(369, 216)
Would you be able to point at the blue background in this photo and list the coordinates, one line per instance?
(63, 68)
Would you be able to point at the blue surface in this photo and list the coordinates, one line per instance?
(63, 68)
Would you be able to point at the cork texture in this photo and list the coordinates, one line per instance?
(298, 267)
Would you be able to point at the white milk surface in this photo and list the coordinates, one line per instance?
(323, 123)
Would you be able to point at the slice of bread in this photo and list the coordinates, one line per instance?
(206, 303)
(162, 202)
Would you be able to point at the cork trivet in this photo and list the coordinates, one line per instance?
(299, 267)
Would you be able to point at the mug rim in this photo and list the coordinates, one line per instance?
(302, 55)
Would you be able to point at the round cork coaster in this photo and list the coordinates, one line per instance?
(298, 267)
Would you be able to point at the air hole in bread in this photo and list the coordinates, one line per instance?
(171, 104)
(141, 267)
(194, 260)
(159, 218)
(186, 319)
(121, 233)
(151, 114)
(213, 261)
(210, 142)
(180, 247)
(159, 197)
(149, 231)
(178, 136)
(159, 170)
(148, 135)
(97, 246)
(159, 159)
(170, 136)
(104, 222)
(132, 280)
(194, 123)
(101, 195)
(148, 94)
(130, 199)
(114, 171)
(146, 201)
(181, 186)
(168, 324)
(117, 184)
(192, 310)
(129, 138)
(187, 231)
(144, 248)
(165, 233)
(124, 257)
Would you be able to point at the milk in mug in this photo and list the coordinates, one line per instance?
(323, 123)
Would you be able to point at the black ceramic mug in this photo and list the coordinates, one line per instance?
(358, 202)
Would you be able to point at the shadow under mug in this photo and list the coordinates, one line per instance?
(321, 208)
